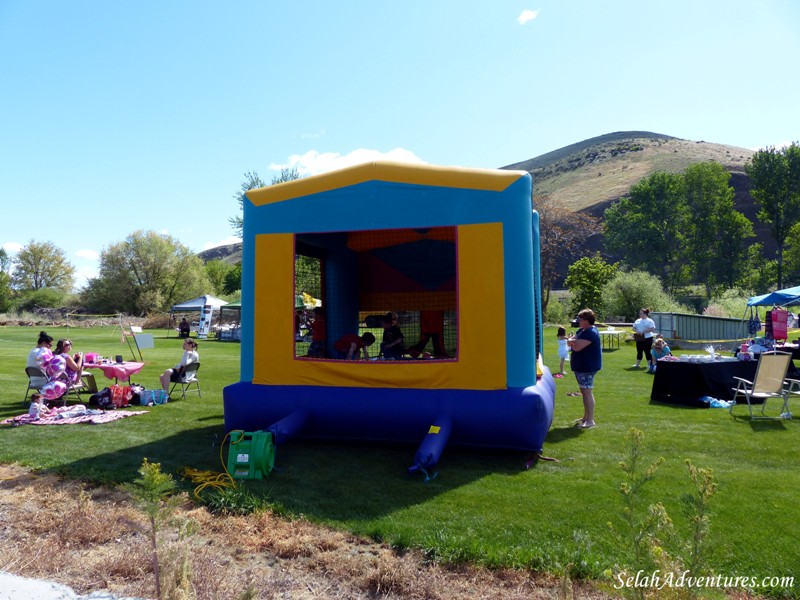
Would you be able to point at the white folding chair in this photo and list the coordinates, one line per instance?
(767, 383)
(791, 389)
(188, 379)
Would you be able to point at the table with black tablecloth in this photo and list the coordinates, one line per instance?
(793, 348)
(684, 382)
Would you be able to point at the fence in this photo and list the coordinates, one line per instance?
(677, 326)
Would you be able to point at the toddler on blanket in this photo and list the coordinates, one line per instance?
(38, 409)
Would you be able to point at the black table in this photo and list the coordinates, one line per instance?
(793, 348)
(683, 382)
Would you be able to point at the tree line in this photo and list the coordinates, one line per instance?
(145, 273)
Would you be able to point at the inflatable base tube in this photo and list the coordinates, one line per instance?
(514, 418)
(288, 427)
(432, 446)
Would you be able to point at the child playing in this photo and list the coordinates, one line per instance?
(319, 335)
(392, 344)
(659, 350)
(38, 410)
(349, 345)
(563, 351)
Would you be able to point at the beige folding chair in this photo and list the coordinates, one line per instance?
(768, 383)
(36, 380)
(188, 379)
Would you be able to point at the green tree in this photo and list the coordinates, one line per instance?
(251, 182)
(626, 292)
(649, 228)
(217, 271)
(233, 280)
(42, 265)
(147, 272)
(30, 300)
(715, 231)
(775, 179)
(6, 293)
(586, 279)
(760, 274)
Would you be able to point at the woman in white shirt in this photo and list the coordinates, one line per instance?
(643, 329)
(190, 356)
(45, 342)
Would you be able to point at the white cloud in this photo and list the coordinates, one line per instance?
(527, 15)
(306, 136)
(12, 247)
(84, 274)
(88, 254)
(226, 242)
(314, 162)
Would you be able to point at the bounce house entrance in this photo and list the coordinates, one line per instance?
(387, 283)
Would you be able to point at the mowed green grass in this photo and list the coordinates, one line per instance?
(483, 506)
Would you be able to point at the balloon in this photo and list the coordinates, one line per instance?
(52, 390)
(43, 357)
(56, 366)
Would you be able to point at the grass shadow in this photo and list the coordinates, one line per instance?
(328, 481)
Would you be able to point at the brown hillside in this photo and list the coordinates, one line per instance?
(602, 169)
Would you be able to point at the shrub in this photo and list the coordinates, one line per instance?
(731, 303)
(557, 311)
(627, 292)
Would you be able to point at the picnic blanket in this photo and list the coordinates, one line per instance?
(69, 415)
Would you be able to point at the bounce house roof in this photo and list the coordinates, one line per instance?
(454, 177)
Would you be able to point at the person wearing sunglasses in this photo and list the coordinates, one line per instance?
(45, 342)
(190, 356)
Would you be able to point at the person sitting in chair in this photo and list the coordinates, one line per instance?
(74, 365)
(184, 328)
(190, 356)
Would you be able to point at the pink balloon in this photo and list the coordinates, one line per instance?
(43, 357)
(53, 390)
(56, 366)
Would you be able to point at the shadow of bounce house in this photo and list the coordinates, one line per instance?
(450, 246)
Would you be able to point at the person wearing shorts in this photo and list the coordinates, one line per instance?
(586, 361)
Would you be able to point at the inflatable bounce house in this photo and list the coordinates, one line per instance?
(444, 258)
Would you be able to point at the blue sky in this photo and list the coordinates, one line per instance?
(120, 116)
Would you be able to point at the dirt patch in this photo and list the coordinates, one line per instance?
(93, 538)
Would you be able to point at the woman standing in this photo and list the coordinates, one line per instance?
(643, 329)
(587, 359)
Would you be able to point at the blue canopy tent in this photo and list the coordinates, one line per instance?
(779, 298)
(787, 297)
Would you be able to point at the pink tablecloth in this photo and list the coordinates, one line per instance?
(119, 371)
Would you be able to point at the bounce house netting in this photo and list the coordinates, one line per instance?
(388, 283)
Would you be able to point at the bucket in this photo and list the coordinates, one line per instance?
(251, 455)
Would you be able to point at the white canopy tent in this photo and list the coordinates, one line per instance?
(205, 305)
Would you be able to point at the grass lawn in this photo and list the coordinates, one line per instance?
(483, 506)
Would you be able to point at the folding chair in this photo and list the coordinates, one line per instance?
(73, 388)
(768, 383)
(188, 379)
(791, 387)
(36, 380)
